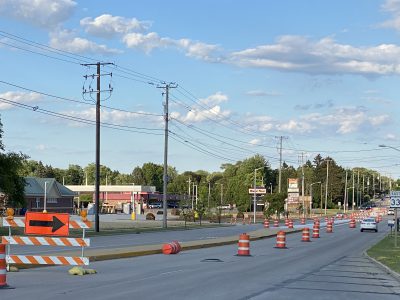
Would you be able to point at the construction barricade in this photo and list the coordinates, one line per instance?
(171, 248)
(266, 223)
(329, 227)
(290, 224)
(276, 223)
(46, 224)
(302, 221)
(305, 237)
(244, 245)
(315, 234)
(281, 240)
(352, 223)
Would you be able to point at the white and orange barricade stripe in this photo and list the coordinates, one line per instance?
(72, 224)
(13, 222)
(3, 270)
(244, 245)
(47, 260)
(45, 241)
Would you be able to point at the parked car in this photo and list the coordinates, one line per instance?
(390, 212)
(368, 224)
(155, 205)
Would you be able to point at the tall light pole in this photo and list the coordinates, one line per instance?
(311, 193)
(45, 197)
(326, 184)
(254, 195)
(271, 187)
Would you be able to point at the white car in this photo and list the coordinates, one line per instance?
(390, 212)
(368, 224)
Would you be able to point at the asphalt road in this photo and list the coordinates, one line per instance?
(332, 267)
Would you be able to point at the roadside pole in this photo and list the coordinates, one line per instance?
(396, 228)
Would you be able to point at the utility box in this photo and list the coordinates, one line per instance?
(126, 208)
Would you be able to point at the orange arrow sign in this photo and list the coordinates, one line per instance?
(47, 223)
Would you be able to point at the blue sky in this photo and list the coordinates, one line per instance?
(323, 74)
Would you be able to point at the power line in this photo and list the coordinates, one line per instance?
(76, 101)
(80, 120)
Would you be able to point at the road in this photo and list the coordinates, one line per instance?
(327, 268)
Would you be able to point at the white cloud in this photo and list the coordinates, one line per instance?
(214, 113)
(255, 141)
(20, 97)
(214, 99)
(150, 41)
(393, 8)
(378, 120)
(325, 56)
(261, 93)
(43, 13)
(108, 26)
(145, 42)
(295, 126)
(68, 41)
(390, 137)
(41, 147)
(115, 117)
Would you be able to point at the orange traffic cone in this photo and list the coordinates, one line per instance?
(281, 240)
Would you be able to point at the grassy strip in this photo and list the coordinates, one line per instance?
(385, 252)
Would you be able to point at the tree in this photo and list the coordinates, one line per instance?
(12, 184)
(276, 204)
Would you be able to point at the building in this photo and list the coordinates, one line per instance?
(58, 197)
(113, 197)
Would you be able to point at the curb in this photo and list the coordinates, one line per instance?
(382, 266)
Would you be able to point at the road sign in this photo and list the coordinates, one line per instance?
(258, 191)
(47, 223)
(395, 199)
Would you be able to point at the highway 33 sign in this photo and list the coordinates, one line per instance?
(395, 199)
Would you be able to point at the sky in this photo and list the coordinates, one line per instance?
(324, 75)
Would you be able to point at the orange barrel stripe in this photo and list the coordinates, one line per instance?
(244, 245)
(47, 260)
(276, 223)
(329, 227)
(290, 224)
(178, 246)
(286, 222)
(3, 270)
(266, 223)
(315, 234)
(281, 240)
(305, 235)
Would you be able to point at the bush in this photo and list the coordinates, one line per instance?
(150, 216)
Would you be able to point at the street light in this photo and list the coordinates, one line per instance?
(254, 196)
(318, 182)
(45, 197)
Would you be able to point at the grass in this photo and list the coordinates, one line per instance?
(385, 252)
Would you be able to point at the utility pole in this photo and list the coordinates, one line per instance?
(98, 99)
(302, 182)
(166, 87)
(209, 193)
(222, 188)
(352, 204)
(345, 193)
(280, 162)
(326, 184)
(190, 197)
(358, 188)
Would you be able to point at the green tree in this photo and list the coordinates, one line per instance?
(12, 184)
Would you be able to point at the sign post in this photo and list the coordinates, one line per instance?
(395, 203)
